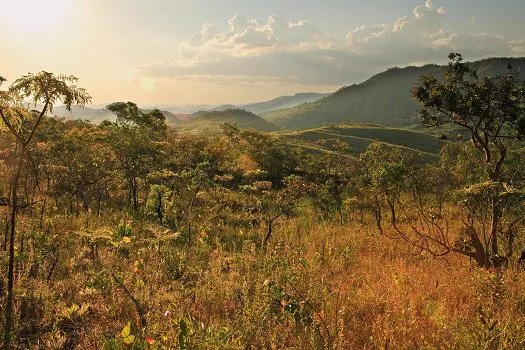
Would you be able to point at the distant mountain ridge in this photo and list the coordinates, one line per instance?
(274, 104)
(176, 115)
(97, 115)
(221, 108)
(283, 102)
(385, 98)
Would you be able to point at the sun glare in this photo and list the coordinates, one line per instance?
(33, 15)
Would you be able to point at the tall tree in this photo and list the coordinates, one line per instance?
(492, 110)
(85, 164)
(42, 88)
(133, 137)
(274, 158)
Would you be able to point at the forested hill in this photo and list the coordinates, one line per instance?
(211, 120)
(384, 99)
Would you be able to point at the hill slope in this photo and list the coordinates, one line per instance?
(211, 120)
(384, 99)
(359, 136)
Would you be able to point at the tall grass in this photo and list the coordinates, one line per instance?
(318, 285)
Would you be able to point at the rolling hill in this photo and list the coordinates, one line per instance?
(359, 136)
(211, 120)
(384, 99)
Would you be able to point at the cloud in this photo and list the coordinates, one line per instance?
(298, 52)
(517, 47)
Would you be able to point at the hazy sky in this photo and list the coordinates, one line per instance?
(169, 52)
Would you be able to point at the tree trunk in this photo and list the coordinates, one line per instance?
(133, 193)
(495, 212)
(482, 258)
(6, 232)
(393, 217)
(378, 215)
(10, 273)
(269, 223)
(42, 213)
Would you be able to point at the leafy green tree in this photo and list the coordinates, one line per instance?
(334, 174)
(275, 159)
(43, 88)
(390, 172)
(492, 111)
(188, 185)
(159, 198)
(136, 138)
(129, 115)
(84, 164)
(273, 204)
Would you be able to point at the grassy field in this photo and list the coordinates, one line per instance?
(359, 136)
(318, 285)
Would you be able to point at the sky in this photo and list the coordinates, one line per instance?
(179, 52)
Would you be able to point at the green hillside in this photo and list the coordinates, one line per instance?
(384, 99)
(211, 121)
(359, 136)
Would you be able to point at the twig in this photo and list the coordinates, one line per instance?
(138, 306)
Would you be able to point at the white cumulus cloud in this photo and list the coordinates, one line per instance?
(298, 52)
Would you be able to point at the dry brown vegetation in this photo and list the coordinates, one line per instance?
(132, 235)
(317, 285)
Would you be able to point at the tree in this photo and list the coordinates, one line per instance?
(84, 164)
(189, 184)
(389, 173)
(274, 158)
(333, 172)
(133, 138)
(41, 88)
(492, 110)
(276, 203)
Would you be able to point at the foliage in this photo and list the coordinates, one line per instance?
(383, 99)
(210, 121)
(247, 241)
(275, 160)
(492, 111)
(48, 89)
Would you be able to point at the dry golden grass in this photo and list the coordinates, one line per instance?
(316, 286)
